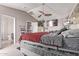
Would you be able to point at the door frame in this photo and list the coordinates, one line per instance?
(14, 30)
(14, 41)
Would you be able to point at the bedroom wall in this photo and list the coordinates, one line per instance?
(60, 25)
(20, 18)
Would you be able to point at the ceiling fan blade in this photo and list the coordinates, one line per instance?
(42, 12)
(39, 16)
(45, 13)
(48, 14)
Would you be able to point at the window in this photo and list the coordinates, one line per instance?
(41, 23)
(50, 23)
(29, 25)
(55, 22)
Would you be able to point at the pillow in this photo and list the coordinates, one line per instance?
(71, 33)
(74, 26)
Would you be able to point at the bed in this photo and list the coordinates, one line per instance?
(53, 44)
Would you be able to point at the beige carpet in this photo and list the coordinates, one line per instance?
(6, 43)
(10, 51)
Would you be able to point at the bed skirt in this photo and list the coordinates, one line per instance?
(46, 50)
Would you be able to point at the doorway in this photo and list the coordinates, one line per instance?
(7, 31)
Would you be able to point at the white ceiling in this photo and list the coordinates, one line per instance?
(22, 6)
(59, 10)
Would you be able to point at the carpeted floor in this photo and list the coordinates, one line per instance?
(10, 51)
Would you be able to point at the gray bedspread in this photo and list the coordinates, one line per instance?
(67, 39)
(52, 39)
(71, 39)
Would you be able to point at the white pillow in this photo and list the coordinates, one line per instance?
(74, 26)
(71, 33)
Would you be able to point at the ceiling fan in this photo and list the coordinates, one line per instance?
(45, 14)
(42, 12)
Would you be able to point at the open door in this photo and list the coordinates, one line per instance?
(7, 30)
